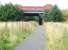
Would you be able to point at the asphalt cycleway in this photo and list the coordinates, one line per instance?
(33, 42)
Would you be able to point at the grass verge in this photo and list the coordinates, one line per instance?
(56, 36)
(14, 33)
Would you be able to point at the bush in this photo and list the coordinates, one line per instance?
(54, 15)
(9, 12)
(14, 34)
(65, 14)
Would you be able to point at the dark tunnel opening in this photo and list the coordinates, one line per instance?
(40, 17)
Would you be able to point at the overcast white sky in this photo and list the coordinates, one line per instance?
(63, 4)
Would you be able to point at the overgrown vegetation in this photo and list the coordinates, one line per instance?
(11, 33)
(14, 33)
(65, 14)
(56, 36)
(54, 15)
(10, 12)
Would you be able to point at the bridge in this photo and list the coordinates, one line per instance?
(35, 11)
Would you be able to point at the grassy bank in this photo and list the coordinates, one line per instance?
(56, 36)
(13, 33)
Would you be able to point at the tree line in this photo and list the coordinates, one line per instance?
(10, 12)
(54, 15)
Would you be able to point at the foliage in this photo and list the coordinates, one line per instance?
(54, 15)
(56, 36)
(46, 12)
(14, 34)
(65, 14)
(9, 12)
(29, 18)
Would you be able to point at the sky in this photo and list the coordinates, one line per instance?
(62, 4)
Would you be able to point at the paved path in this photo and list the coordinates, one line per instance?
(34, 42)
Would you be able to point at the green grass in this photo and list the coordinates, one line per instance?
(56, 36)
(14, 34)
(65, 39)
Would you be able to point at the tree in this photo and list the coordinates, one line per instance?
(9, 12)
(65, 14)
(55, 15)
(46, 15)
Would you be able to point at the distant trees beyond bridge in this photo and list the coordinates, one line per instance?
(10, 12)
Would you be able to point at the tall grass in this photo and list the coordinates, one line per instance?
(56, 36)
(14, 33)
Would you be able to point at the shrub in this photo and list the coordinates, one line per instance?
(9, 12)
(54, 15)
